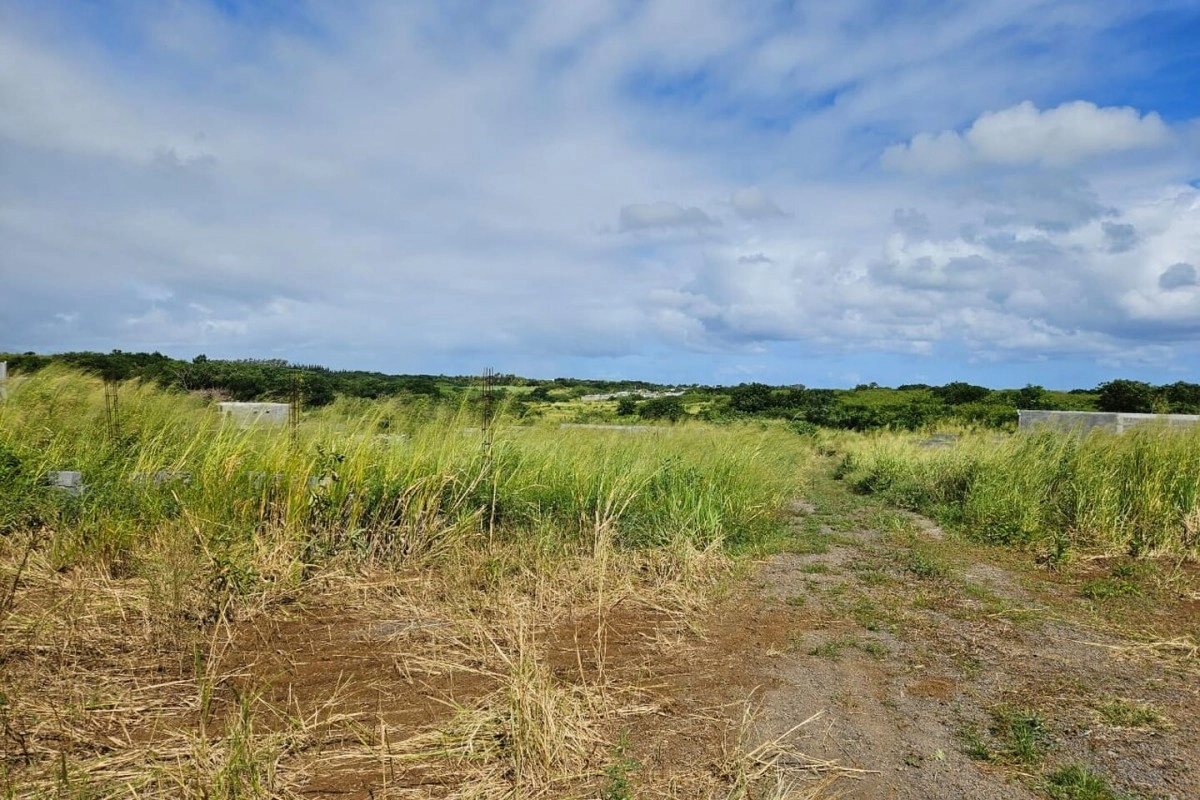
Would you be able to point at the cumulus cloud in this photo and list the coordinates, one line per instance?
(647, 216)
(753, 203)
(345, 184)
(1023, 135)
(1011, 289)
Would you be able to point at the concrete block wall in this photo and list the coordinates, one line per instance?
(1084, 421)
(246, 414)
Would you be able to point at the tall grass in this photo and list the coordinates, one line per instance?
(128, 598)
(1136, 493)
(369, 480)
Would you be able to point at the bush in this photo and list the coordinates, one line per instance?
(627, 406)
(662, 408)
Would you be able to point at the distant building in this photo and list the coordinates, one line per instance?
(591, 398)
(247, 414)
(1084, 421)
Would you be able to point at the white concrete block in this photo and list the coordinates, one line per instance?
(247, 414)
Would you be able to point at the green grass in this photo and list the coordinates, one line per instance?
(925, 565)
(831, 650)
(364, 480)
(1016, 735)
(1136, 493)
(1126, 714)
(1077, 782)
(1023, 734)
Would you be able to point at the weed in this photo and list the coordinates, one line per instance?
(1022, 734)
(975, 745)
(832, 649)
(925, 565)
(1132, 493)
(1077, 782)
(1108, 589)
(1126, 714)
(874, 649)
(816, 568)
(867, 614)
(617, 773)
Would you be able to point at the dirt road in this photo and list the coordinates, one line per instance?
(944, 669)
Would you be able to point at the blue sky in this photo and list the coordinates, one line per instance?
(711, 191)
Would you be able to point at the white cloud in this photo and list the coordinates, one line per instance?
(1006, 289)
(409, 187)
(1022, 135)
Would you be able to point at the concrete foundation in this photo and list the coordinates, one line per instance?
(1084, 421)
(247, 414)
(67, 481)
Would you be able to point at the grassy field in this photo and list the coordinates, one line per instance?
(386, 602)
(125, 607)
(1136, 493)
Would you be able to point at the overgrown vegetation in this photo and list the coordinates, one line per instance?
(344, 487)
(1137, 493)
(125, 605)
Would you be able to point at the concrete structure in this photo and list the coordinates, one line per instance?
(65, 480)
(591, 398)
(1084, 421)
(3, 379)
(247, 414)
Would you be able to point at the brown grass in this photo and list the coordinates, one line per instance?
(502, 671)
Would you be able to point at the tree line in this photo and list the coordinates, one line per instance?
(865, 407)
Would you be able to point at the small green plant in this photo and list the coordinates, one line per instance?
(1022, 733)
(874, 649)
(925, 565)
(975, 745)
(1077, 782)
(1123, 580)
(1126, 714)
(816, 568)
(617, 773)
(832, 649)
(867, 614)
(1108, 588)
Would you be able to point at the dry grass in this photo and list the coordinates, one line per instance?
(129, 687)
(408, 615)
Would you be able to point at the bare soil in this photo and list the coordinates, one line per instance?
(879, 658)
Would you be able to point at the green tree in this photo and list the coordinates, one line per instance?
(627, 406)
(1124, 395)
(751, 398)
(957, 393)
(662, 408)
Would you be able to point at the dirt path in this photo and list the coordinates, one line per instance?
(954, 671)
(880, 652)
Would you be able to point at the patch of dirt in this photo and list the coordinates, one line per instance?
(904, 669)
(864, 664)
